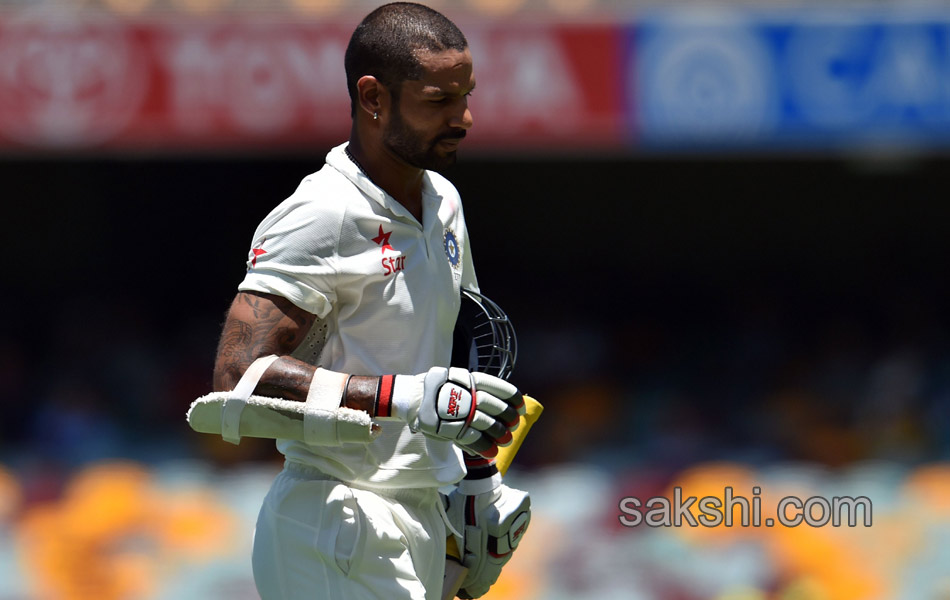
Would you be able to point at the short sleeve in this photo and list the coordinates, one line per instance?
(294, 252)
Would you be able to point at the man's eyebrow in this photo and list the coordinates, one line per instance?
(434, 90)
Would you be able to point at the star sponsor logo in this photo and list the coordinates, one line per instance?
(382, 240)
(391, 264)
(257, 251)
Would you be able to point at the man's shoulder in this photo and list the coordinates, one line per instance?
(324, 190)
(321, 199)
(328, 181)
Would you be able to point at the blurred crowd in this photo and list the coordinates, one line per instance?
(757, 382)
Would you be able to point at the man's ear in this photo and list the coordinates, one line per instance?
(374, 98)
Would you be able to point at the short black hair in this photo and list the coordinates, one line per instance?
(384, 45)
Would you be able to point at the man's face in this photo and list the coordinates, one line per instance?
(431, 115)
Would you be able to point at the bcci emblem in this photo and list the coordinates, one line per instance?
(451, 246)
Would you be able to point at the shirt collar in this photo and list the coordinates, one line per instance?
(338, 159)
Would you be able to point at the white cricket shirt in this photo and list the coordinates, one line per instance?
(386, 291)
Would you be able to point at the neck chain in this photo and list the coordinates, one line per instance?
(355, 162)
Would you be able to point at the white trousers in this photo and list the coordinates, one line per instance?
(320, 539)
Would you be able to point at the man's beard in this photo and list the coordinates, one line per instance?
(410, 146)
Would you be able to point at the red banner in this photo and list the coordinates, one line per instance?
(72, 81)
(543, 86)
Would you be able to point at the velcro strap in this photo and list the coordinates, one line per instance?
(234, 405)
(474, 487)
(320, 413)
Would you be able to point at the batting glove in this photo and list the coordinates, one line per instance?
(492, 524)
(475, 410)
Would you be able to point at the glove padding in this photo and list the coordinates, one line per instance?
(475, 410)
(492, 525)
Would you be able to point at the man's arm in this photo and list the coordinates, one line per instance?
(476, 411)
(258, 325)
(262, 324)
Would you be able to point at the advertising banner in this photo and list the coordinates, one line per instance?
(817, 80)
(681, 79)
(74, 81)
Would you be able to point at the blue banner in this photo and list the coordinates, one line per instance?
(815, 79)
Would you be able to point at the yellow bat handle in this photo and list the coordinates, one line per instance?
(506, 454)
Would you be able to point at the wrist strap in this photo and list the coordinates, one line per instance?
(404, 392)
(383, 403)
(326, 389)
(481, 476)
(324, 397)
(237, 399)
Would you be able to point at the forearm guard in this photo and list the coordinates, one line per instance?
(320, 421)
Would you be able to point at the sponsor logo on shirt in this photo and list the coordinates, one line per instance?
(256, 251)
(391, 264)
(382, 240)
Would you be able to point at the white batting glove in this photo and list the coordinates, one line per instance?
(475, 410)
(492, 524)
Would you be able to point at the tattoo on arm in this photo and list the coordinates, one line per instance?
(258, 325)
(286, 378)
